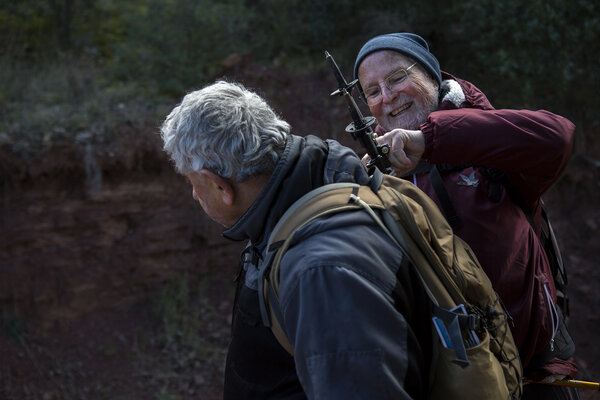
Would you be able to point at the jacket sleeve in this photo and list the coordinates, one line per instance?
(349, 337)
(349, 340)
(531, 147)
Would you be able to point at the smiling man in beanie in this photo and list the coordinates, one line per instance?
(487, 170)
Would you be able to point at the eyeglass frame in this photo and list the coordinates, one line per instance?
(387, 85)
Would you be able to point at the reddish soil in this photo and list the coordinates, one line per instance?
(96, 232)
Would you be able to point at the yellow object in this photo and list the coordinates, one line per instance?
(571, 383)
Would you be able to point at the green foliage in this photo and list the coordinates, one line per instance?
(69, 63)
(530, 54)
(166, 396)
(177, 44)
(295, 33)
(34, 29)
(188, 326)
(13, 327)
(25, 27)
(173, 305)
(40, 104)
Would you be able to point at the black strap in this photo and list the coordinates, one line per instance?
(498, 177)
(376, 180)
(562, 346)
(546, 236)
(559, 271)
(445, 202)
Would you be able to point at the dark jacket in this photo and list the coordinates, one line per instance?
(355, 313)
(532, 148)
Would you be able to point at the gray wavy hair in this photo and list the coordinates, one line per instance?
(224, 128)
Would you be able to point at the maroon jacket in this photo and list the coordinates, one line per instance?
(532, 148)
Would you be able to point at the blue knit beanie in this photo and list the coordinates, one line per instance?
(409, 44)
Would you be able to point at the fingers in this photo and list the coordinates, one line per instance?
(396, 155)
(397, 140)
(406, 149)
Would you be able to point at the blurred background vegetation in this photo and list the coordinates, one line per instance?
(86, 65)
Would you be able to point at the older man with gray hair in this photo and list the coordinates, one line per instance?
(353, 309)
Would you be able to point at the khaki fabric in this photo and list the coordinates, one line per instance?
(449, 271)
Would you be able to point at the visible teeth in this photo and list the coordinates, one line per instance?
(399, 110)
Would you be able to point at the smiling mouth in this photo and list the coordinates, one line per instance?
(399, 110)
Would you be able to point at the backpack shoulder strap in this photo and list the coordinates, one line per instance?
(445, 202)
(400, 227)
(325, 200)
(420, 223)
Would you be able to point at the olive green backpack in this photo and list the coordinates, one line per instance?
(479, 359)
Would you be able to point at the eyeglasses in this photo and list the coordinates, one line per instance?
(394, 82)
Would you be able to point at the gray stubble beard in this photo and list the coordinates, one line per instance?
(430, 104)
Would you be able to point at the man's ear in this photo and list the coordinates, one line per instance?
(223, 186)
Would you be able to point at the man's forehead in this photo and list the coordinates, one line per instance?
(382, 62)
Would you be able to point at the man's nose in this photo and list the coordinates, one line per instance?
(387, 96)
(194, 195)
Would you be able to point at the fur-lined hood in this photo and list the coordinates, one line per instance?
(458, 93)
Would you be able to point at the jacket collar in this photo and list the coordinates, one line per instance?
(298, 170)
